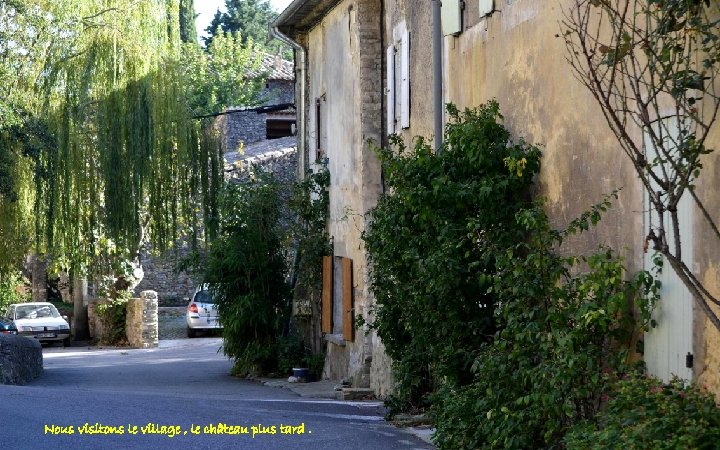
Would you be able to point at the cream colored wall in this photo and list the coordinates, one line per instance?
(338, 72)
(707, 266)
(516, 57)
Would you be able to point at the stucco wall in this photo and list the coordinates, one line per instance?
(344, 60)
(418, 21)
(516, 57)
(707, 266)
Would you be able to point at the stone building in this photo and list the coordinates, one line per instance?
(343, 106)
(366, 70)
(274, 119)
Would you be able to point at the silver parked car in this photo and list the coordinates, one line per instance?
(39, 320)
(202, 313)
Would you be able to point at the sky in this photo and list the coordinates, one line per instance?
(206, 11)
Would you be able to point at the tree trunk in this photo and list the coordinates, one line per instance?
(39, 278)
(80, 311)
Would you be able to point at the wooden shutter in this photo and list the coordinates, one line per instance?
(390, 101)
(327, 300)
(348, 306)
(405, 80)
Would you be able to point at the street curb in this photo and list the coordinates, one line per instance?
(325, 389)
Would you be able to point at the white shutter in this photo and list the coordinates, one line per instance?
(667, 344)
(451, 17)
(486, 7)
(390, 90)
(405, 80)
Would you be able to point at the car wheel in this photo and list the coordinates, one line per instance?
(190, 333)
(66, 342)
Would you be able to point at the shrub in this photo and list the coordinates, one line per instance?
(563, 325)
(291, 354)
(644, 413)
(247, 269)
(113, 314)
(12, 289)
(434, 309)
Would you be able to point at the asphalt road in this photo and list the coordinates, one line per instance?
(179, 396)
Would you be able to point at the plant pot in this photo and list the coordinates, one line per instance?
(302, 373)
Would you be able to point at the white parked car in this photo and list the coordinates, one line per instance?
(202, 313)
(39, 320)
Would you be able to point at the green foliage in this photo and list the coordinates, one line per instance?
(435, 308)
(293, 353)
(97, 143)
(12, 290)
(246, 270)
(219, 77)
(659, 60)
(249, 18)
(309, 206)
(113, 315)
(564, 323)
(645, 413)
(26, 33)
(188, 32)
(315, 363)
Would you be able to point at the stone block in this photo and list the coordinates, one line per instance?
(142, 320)
(21, 359)
(356, 394)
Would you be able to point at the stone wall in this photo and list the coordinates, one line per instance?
(141, 324)
(282, 163)
(241, 127)
(21, 359)
(96, 327)
(162, 277)
(280, 91)
(248, 127)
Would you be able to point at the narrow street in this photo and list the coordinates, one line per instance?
(179, 396)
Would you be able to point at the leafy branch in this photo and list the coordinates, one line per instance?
(652, 66)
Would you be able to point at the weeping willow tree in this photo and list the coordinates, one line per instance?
(130, 165)
(120, 133)
(25, 33)
(100, 153)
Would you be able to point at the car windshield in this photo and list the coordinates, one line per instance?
(35, 311)
(203, 297)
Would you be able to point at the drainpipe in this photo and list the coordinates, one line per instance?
(437, 74)
(300, 74)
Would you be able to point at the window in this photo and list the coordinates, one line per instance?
(398, 80)
(279, 128)
(337, 298)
